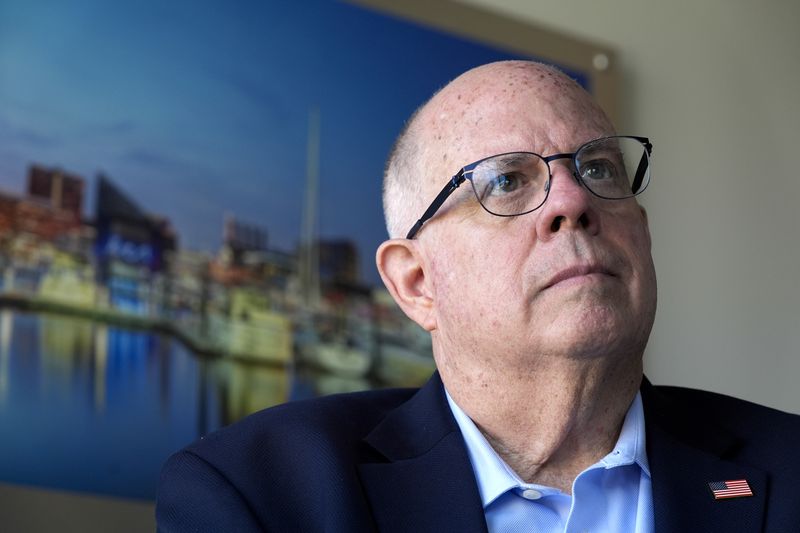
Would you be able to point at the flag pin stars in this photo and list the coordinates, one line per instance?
(737, 488)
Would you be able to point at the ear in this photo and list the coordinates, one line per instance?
(402, 270)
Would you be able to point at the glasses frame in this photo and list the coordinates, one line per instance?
(466, 174)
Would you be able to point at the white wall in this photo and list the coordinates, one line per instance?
(715, 84)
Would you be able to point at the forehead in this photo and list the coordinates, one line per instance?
(496, 109)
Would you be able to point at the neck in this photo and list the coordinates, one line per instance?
(552, 421)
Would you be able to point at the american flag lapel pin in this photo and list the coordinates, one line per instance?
(737, 488)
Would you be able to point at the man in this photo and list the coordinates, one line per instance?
(532, 271)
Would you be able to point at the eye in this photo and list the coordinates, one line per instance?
(506, 183)
(598, 169)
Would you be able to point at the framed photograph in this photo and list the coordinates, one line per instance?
(190, 202)
(593, 65)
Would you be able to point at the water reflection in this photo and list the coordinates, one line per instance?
(97, 408)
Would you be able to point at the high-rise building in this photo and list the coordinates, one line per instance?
(51, 209)
(128, 234)
(338, 261)
(239, 238)
(58, 189)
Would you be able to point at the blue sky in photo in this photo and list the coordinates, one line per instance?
(196, 109)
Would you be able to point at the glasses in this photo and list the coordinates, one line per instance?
(516, 183)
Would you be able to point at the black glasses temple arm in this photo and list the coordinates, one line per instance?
(448, 189)
(644, 162)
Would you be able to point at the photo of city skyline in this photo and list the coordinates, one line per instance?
(200, 112)
(190, 201)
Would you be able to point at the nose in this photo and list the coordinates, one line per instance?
(569, 206)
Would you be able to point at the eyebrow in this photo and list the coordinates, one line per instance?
(512, 158)
(508, 159)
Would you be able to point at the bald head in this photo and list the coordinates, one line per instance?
(450, 130)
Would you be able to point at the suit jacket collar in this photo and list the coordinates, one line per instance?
(685, 453)
(423, 480)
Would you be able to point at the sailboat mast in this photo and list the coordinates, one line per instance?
(310, 248)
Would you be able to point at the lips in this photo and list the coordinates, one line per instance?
(576, 271)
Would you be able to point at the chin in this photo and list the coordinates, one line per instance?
(594, 333)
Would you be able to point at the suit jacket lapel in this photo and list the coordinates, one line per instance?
(422, 479)
(685, 455)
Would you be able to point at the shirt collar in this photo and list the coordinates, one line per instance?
(495, 477)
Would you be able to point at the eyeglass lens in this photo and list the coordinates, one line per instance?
(517, 183)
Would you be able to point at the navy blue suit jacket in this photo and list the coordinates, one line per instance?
(395, 460)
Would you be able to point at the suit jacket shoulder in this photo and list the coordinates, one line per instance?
(277, 469)
(392, 461)
(730, 410)
(330, 424)
(696, 437)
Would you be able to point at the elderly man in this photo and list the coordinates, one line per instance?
(531, 269)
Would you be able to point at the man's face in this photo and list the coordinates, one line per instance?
(573, 279)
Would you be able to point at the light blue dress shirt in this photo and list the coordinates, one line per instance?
(613, 495)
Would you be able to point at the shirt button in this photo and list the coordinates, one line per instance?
(531, 494)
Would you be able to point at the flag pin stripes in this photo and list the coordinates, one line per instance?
(722, 490)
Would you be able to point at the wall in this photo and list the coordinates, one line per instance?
(715, 84)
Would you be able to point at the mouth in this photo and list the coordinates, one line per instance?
(579, 273)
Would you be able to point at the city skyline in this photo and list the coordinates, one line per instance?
(196, 112)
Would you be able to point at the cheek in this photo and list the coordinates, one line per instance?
(640, 250)
(477, 287)
(637, 250)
